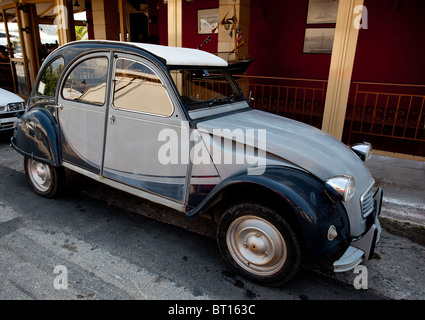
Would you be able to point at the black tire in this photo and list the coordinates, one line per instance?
(46, 181)
(258, 244)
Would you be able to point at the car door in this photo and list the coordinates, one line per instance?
(140, 112)
(81, 110)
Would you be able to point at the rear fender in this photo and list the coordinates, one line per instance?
(36, 136)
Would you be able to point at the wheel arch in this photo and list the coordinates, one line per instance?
(308, 208)
(253, 192)
(36, 136)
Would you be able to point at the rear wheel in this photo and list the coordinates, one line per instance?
(46, 180)
(258, 244)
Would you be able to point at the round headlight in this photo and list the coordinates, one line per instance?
(343, 187)
(363, 150)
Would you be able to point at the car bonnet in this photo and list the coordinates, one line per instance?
(305, 146)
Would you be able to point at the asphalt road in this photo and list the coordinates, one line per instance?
(94, 242)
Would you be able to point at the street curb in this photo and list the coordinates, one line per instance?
(403, 211)
(404, 219)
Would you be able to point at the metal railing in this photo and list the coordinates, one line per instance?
(391, 116)
(298, 99)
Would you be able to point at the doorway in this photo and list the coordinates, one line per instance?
(139, 27)
(139, 21)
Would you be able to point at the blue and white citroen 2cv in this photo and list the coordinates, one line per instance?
(172, 126)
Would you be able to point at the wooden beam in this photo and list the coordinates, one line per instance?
(45, 12)
(123, 29)
(175, 23)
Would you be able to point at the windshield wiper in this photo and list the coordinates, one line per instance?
(215, 102)
(230, 99)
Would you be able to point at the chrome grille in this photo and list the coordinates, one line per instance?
(367, 202)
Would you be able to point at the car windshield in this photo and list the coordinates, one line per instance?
(205, 88)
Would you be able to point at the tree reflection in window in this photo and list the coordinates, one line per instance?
(49, 79)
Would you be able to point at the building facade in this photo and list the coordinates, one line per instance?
(353, 68)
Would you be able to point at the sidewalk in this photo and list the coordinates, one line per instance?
(403, 182)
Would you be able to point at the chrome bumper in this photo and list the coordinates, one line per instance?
(363, 248)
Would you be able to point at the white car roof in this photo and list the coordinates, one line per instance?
(183, 56)
(178, 56)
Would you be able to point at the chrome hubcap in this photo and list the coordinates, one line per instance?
(39, 174)
(256, 245)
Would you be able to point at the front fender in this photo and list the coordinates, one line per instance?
(36, 136)
(312, 208)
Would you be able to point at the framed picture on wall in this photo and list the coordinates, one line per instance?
(322, 11)
(318, 40)
(207, 20)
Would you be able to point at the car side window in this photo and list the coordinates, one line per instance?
(87, 82)
(49, 79)
(138, 88)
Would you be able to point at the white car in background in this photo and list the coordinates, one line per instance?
(11, 107)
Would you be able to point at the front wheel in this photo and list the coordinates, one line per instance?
(258, 244)
(46, 180)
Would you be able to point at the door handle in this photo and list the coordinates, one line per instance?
(111, 118)
(59, 107)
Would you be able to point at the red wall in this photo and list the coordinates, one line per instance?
(276, 39)
(191, 38)
(392, 49)
(163, 23)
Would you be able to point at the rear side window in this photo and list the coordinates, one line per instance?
(139, 89)
(49, 78)
(87, 82)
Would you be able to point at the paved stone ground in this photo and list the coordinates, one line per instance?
(399, 265)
